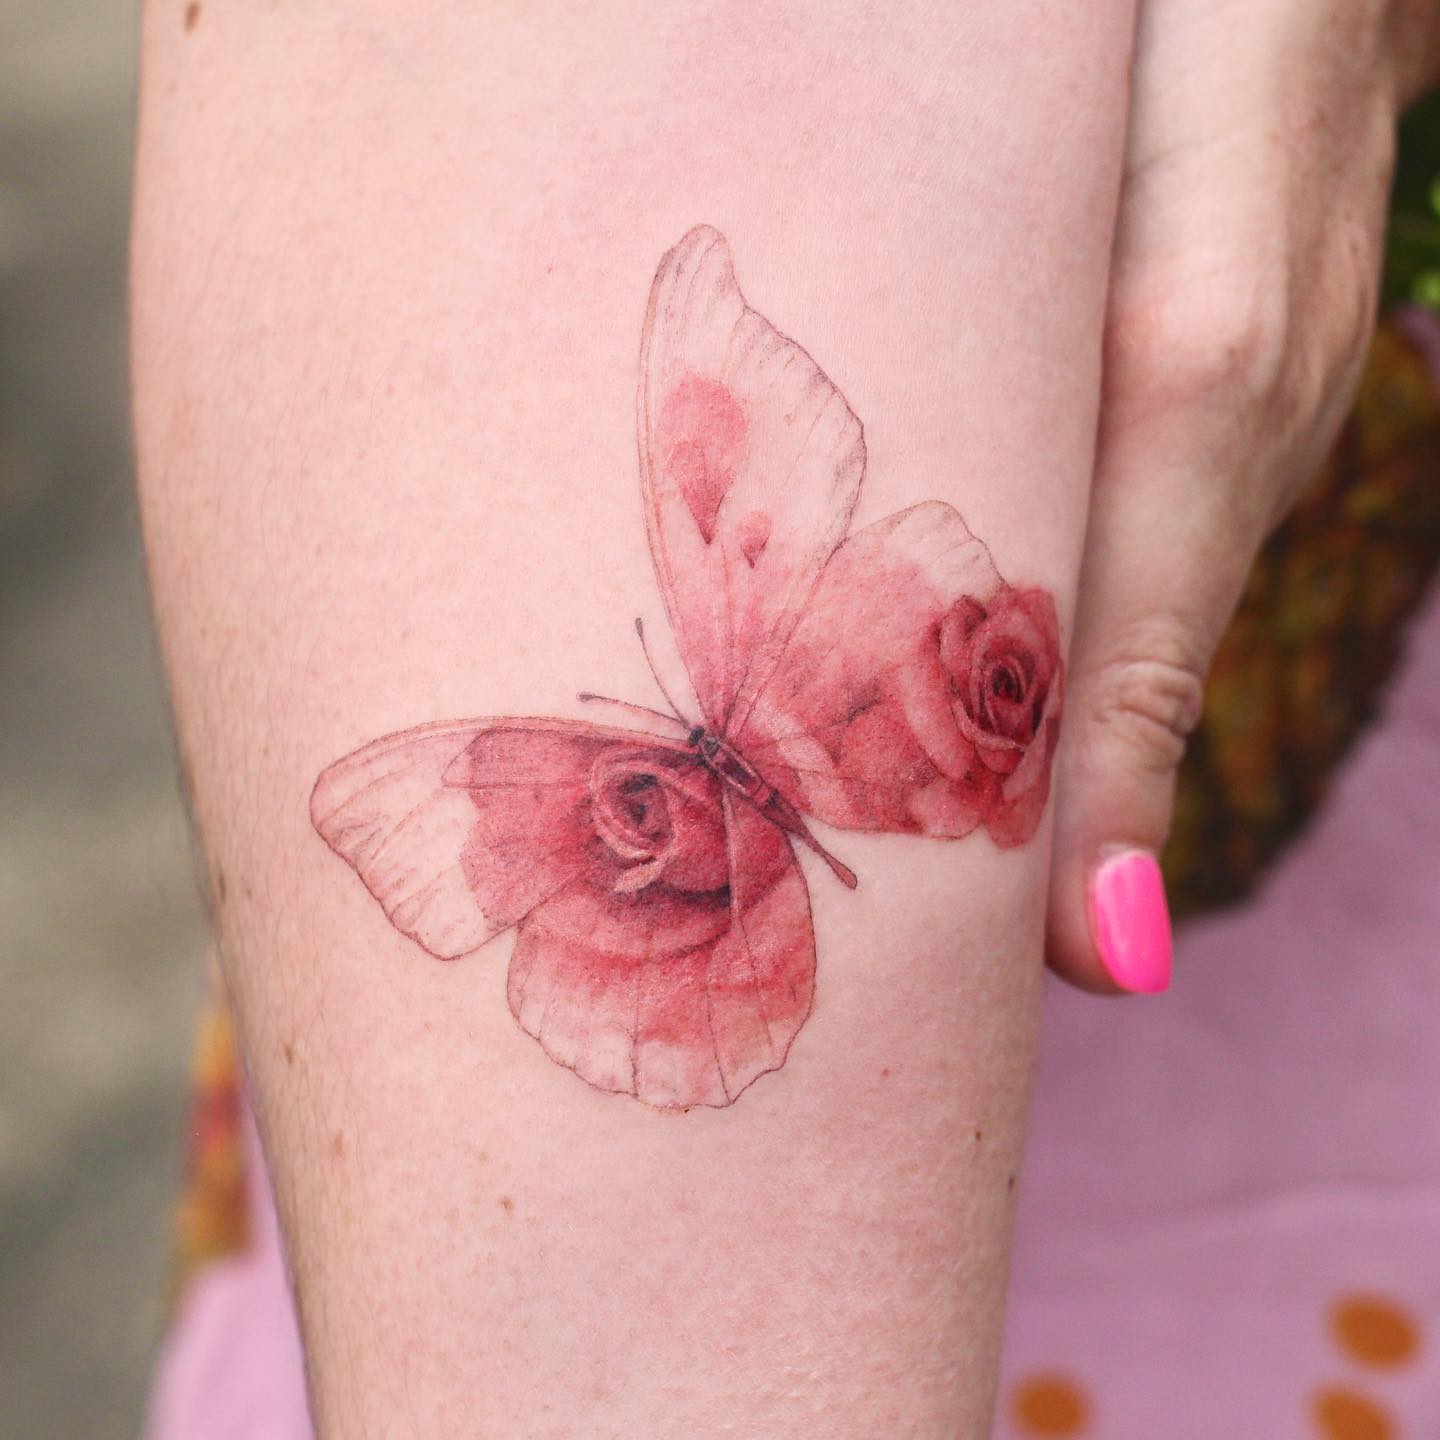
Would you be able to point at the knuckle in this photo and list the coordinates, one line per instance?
(1150, 702)
(1353, 286)
(1248, 338)
(1324, 370)
(1182, 342)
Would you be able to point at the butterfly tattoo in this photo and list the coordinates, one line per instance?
(882, 679)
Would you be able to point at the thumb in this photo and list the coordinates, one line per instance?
(1166, 557)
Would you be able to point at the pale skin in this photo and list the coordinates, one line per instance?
(390, 271)
(1241, 305)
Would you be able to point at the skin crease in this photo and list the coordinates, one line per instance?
(1241, 305)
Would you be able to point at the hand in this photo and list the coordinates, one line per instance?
(1242, 299)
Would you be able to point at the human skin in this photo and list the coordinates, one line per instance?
(1242, 300)
(390, 269)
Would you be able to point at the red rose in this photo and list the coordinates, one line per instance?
(936, 708)
(1001, 658)
(660, 821)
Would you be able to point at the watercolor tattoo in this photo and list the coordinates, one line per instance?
(881, 680)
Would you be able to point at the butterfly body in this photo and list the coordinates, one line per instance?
(882, 680)
(731, 768)
(729, 765)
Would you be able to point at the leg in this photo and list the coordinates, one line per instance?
(391, 268)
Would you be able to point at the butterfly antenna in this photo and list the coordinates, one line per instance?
(655, 674)
(587, 698)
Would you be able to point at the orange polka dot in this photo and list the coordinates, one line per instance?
(1050, 1405)
(1344, 1415)
(1374, 1330)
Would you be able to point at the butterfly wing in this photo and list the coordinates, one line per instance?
(919, 693)
(454, 863)
(664, 945)
(676, 998)
(750, 464)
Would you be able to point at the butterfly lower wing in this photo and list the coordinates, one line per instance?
(678, 1000)
(678, 977)
(862, 727)
(751, 463)
(386, 812)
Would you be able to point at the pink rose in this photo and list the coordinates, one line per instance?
(660, 822)
(922, 692)
(1001, 660)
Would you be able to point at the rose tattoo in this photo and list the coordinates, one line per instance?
(882, 679)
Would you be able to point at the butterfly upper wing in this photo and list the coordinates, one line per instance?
(750, 463)
(451, 864)
(664, 944)
(864, 724)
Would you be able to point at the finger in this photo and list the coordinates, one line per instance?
(1242, 295)
(1164, 567)
(1197, 455)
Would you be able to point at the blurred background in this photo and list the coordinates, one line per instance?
(101, 925)
(101, 946)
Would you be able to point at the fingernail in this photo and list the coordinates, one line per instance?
(1131, 921)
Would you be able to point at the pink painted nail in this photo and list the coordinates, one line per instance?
(1132, 921)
